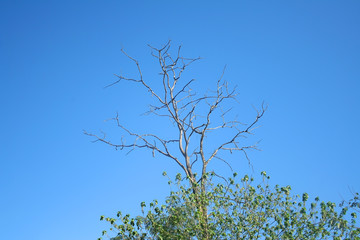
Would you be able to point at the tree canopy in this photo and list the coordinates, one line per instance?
(239, 209)
(205, 204)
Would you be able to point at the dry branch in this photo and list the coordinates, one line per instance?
(178, 102)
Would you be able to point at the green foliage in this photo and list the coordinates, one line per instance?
(239, 210)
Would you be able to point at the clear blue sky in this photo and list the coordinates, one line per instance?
(301, 57)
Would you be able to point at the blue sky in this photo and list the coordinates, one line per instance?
(301, 57)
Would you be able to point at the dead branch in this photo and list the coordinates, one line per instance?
(193, 116)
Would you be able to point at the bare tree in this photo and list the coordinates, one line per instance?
(193, 116)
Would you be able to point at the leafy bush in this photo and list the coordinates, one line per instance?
(239, 209)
